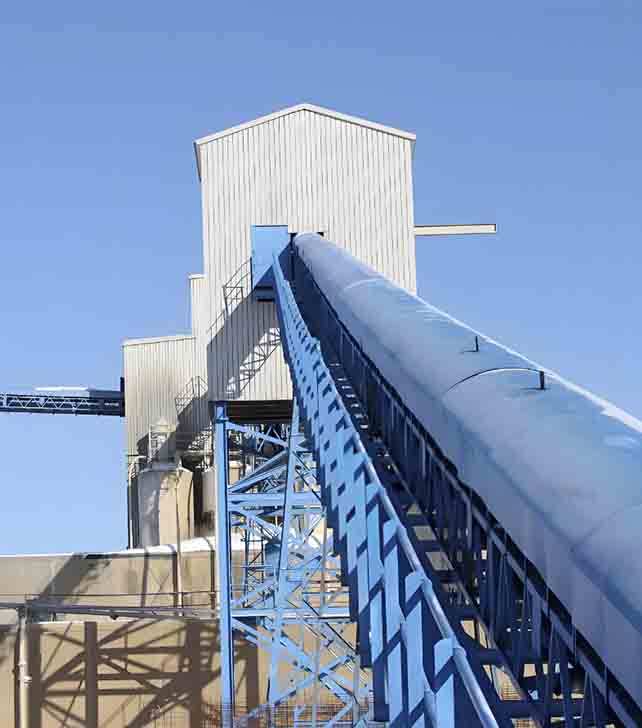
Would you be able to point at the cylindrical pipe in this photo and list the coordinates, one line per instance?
(24, 678)
(179, 565)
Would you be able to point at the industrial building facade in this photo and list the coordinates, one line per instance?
(301, 169)
(307, 169)
(338, 495)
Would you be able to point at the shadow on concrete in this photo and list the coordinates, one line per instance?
(135, 674)
(139, 578)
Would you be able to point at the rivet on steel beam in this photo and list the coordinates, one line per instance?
(542, 380)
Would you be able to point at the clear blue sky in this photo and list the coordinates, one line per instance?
(526, 114)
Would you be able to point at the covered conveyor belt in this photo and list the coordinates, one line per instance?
(533, 485)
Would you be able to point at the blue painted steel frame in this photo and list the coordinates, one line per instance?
(266, 241)
(223, 560)
(524, 619)
(390, 593)
(285, 598)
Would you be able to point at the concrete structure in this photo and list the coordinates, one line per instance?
(95, 672)
(99, 672)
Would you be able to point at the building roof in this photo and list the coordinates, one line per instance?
(294, 109)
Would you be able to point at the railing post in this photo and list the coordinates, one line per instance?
(393, 626)
(414, 651)
(377, 607)
(444, 683)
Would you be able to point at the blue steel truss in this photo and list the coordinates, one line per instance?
(514, 622)
(454, 625)
(278, 580)
(421, 673)
(110, 403)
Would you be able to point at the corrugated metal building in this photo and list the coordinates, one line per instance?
(307, 168)
(312, 170)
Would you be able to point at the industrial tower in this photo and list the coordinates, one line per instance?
(369, 512)
(303, 169)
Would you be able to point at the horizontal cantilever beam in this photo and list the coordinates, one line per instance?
(482, 229)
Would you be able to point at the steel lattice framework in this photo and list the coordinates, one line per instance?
(513, 625)
(373, 579)
(452, 626)
(103, 403)
(278, 580)
(414, 681)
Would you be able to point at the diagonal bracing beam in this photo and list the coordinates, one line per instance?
(289, 601)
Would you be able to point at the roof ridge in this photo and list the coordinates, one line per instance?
(306, 106)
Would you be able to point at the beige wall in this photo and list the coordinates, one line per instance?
(138, 578)
(124, 673)
(134, 673)
(129, 674)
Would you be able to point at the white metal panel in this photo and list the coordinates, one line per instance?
(160, 372)
(311, 171)
(320, 110)
(199, 298)
(198, 295)
(156, 372)
(477, 229)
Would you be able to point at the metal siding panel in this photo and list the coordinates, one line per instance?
(394, 202)
(155, 372)
(320, 169)
(409, 219)
(199, 292)
(311, 172)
